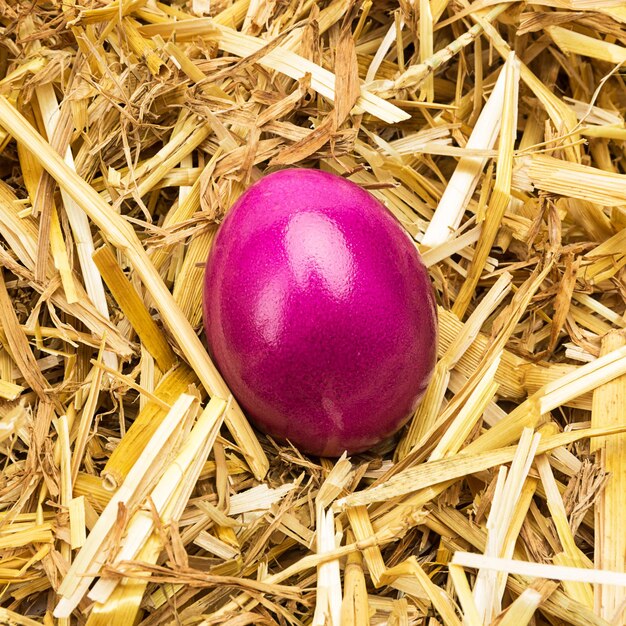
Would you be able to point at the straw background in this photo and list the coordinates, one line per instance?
(133, 491)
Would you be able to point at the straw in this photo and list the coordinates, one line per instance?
(133, 488)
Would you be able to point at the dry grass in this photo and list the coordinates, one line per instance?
(133, 489)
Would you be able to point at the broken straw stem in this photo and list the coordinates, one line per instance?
(464, 180)
(77, 217)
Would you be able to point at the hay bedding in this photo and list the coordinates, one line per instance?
(129, 128)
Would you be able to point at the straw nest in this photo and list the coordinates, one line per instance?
(133, 490)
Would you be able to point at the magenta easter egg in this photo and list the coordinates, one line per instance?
(319, 313)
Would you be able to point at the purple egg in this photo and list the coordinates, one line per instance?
(319, 312)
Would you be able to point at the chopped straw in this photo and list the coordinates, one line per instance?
(134, 490)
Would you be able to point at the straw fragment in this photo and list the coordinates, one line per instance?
(572, 42)
(439, 471)
(463, 182)
(77, 217)
(440, 600)
(540, 570)
(608, 403)
(175, 382)
(355, 610)
(571, 554)
(574, 180)
(501, 194)
(12, 336)
(133, 307)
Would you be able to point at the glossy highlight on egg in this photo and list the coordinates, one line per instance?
(319, 313)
